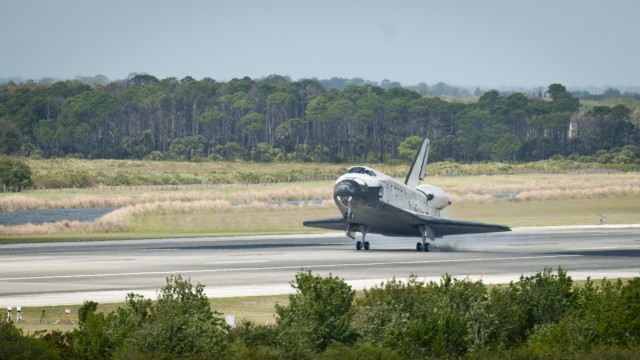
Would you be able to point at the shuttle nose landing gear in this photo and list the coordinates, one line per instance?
(346, 201)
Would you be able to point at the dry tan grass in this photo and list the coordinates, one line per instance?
(119, 220)
(236, 195)
(26, 202)
(470, 189)
(108, 225)
(550, 188)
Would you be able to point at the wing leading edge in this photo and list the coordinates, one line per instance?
(331, 223)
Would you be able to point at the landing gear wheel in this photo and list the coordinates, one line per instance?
(366, 245)
(359, 245)
(426, 247)
(418, 246)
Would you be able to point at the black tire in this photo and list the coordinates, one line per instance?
(418, 246)
(358, 245)
(366, 245)
(426, 247)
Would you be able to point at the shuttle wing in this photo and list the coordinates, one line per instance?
(331, 223)
(408, 221)
(444, 227)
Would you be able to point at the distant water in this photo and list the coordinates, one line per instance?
(52, 215)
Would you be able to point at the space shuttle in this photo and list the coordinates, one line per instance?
(371, 202)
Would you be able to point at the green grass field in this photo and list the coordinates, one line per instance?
(79, 173)
(552, 212)
(511, 213)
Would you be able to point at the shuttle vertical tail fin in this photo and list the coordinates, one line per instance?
(416, 173)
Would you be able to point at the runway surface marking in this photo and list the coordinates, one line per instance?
(597, 248)
(289, 267)
(236, 262)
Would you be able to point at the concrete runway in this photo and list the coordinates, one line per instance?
(69, 273)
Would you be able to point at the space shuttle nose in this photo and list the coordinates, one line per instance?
(343, 189)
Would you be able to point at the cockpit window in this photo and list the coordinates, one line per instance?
(360, 170)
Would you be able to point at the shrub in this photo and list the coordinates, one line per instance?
(500, 322)
(14, 173)
(180, 324)
(90, 340)
(66, 178)
(156, 156)
(419, 319)
(510, 315)
(358, 352)
(253, 335)
(318, 314)
(15, 345)
(242, 352)
(605, 316)
(544, 297)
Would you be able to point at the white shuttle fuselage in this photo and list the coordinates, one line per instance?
(424, 199)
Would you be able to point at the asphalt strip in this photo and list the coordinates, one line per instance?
(116, 296)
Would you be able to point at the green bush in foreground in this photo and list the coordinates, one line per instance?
(608, 316)
(318, 315)
(15, 345)
(180, 324)
(538, 317)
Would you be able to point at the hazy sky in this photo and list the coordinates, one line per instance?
(474, 42)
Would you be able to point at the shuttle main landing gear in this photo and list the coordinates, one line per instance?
(427, 233)
(422, 246)
(362, 244)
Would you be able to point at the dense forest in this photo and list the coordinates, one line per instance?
(276, 119)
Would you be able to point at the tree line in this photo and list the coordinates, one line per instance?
(276, 119)
(541, 316)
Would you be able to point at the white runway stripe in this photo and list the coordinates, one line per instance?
(290, 267)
